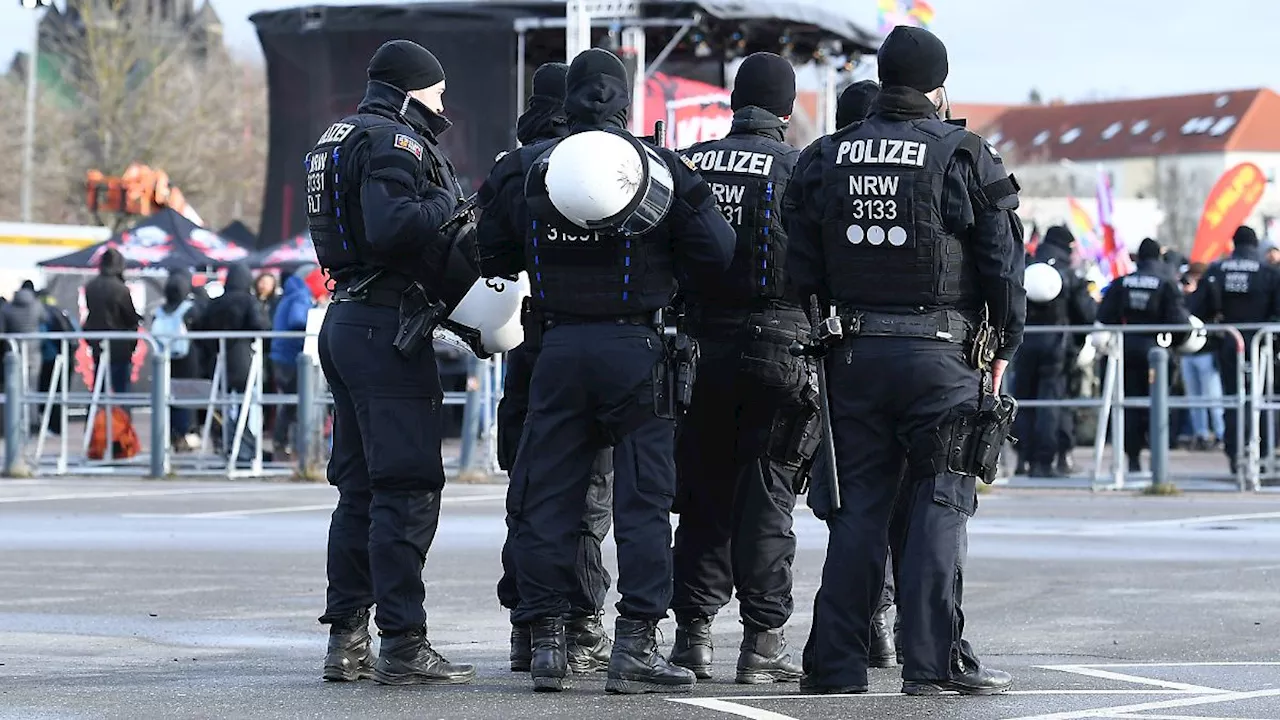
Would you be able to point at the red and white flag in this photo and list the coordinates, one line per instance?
(1115, 259)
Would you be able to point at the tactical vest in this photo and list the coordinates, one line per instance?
(1143, 302)
(748, 177)
(884, 240)
(584, 273)
(1243, 289)
(334, 176)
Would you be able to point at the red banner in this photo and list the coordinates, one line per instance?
(693, 111)
(1234, 196)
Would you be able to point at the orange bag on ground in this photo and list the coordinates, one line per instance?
(124, 438)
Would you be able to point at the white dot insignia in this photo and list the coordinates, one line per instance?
(897, 236)
(875, 235)
(854, 233)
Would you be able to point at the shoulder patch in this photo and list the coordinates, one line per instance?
(992, 149)
(688, 163)
(408, 144)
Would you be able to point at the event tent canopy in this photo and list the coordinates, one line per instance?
(164, 240)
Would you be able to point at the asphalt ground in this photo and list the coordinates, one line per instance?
(179, 599)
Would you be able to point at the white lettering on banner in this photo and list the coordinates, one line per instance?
(701, 128)
(881, 152)
(337, 132)
(873, 185)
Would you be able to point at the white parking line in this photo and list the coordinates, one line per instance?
(725, 706)
(138, 493)
(1091, 671)
(1144, 716)
(1109, 712)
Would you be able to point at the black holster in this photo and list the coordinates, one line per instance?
(531, 320)
(796, 436)
(419, 316)
(972, 442)
(674, 377)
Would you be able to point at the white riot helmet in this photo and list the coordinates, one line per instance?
(602, 180)
(1043, 282)
(487, 320)
(1195, 339)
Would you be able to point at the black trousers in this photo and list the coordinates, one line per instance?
(592, 388)
(386, 465)
(1040, 375)
(918, 385)
(734, 497)
(1228, 367)
(593, 579)
(1137, 383)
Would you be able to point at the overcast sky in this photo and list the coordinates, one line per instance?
(1000, 49)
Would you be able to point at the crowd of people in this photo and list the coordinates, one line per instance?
(1238, 289)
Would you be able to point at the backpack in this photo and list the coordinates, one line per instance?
(170, 329)
(125, 443)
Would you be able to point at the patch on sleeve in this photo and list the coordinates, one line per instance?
(688, 163)
(992, 149)
(404, 142)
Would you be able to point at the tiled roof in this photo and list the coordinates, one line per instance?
(1232, 121)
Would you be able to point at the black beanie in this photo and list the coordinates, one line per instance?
(405, 65)
(1244, 235)
(548, 80)
(593, 62)
(855, 102)
(1149, 250)
(766, 81)
(1059, 236)
(913, 57)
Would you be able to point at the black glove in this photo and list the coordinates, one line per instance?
(440, 199)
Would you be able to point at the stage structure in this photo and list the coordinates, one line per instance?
(316, 58)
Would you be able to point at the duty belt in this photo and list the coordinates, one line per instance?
(945, 325)
(553, 319)
(382, 292)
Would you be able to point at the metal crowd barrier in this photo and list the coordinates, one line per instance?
(240, 413)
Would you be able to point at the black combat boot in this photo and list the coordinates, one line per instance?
(350, 655)
(637, 667)
(589, 648)
(548, 666)
(693, 646)
(1066, 464)
(409, 659)
(883, 652)
(521, 652)
(765, 658)
(966, 679)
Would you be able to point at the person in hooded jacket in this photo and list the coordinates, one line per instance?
(1148, 296)
(179, 309)
(290, 316)
(56, 320)
(236, 310)
(1040, 371)
(737, 470)
(23, 314)
(1241, 289)
(588, 646)
(593, 385)
(110, 308)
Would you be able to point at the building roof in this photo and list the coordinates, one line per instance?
(979, 115)
(1231, 121)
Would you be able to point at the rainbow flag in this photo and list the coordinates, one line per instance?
(1116, 261)
(916, 13)
(1085, 230)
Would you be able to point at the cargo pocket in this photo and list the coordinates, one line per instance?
(959, 492)
(402, 442)
(767, 360)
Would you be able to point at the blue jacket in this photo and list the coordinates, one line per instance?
(291, 316)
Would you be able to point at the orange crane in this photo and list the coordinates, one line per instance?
(139, 191)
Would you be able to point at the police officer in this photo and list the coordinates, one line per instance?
(600, 363)
(1148, 296)
(1241, 289)
(1041, 368)
(379, 189)
(905, 224)
(588, 646)
(855, 102)
(737, 461)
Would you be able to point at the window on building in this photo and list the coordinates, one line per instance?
(1157, 136)
(1197, 125)
(1069, 136)
(1222, 101)
(1223, 126)
(995, 138)
(1041, 138)
(1111, 130)
(1139, 127)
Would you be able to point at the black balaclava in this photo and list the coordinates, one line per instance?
(766, 81)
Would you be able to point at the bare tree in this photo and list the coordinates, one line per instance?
(137, 87)
(1181, 193)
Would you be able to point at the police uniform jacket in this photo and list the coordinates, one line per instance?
(576, 272)
(1074, 305)
(1240, 289)
(903, 213)
(748, 171)
(378, 189)
(1145, 297)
